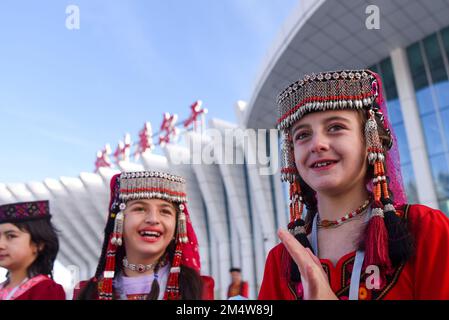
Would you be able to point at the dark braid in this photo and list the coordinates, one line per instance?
(310, 202)
(91, 289)
(190, 282)
(155, 289)
(102, 261)
(400, 240)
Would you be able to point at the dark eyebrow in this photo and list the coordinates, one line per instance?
(327, 120)
(301, 126)
(163, 205)
(336, 118)
(10, 232)
(138, 202)
(166, 205)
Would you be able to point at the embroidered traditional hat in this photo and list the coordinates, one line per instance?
(339, 90)
(129, 186)
(24, 211)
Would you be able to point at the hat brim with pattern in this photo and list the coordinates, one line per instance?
(24, 211)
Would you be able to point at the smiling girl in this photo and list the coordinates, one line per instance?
(359, 239)
(28, 249)
(150, 249)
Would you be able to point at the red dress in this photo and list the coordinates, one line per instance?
(241, 290)
(424, 276)
(208, 288)
(37, 288)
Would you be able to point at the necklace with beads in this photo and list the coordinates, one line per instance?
(141, 268)
(345, 218)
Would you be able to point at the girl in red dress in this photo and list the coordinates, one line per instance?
(28, 249)
(150, 249)
(359, 239)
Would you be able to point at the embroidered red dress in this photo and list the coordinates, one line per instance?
(208, 291)
(424, 276)
(37, 288)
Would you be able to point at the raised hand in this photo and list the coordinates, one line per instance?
(313, 277)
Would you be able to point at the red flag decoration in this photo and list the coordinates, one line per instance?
(145, 140)
(168, 129)
(168, 133)
(196, 111)
(103, 158)
(123, 149)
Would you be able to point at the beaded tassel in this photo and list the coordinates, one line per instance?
(296, 209)
(397, 250)
(172, 291)
(182, 224)
(297, 225)
(376, 242)
(105, 286)
(117, 235)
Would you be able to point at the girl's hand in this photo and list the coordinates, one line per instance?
(313, 277)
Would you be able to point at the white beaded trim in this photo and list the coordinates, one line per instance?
(156, 174)
(290, 94)
(322, 106)
(144, 180)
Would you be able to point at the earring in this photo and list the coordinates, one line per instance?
(117, 234)
(182, 224)
(376, 249)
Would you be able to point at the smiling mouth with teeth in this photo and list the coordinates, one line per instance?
(153, 234)
(323, 164)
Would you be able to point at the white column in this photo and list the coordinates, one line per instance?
(412, 123)
(211, 185)
(235, 245)
(261, 249)
(280, 196)
(176, 157)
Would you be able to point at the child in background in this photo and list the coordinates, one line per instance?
(28, 249)
(238, 287)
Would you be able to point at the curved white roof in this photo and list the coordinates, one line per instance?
(327, 35)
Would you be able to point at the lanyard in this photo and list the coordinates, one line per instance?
(14, 290)
(358, 263)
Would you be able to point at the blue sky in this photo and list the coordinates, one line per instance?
(65, 93)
